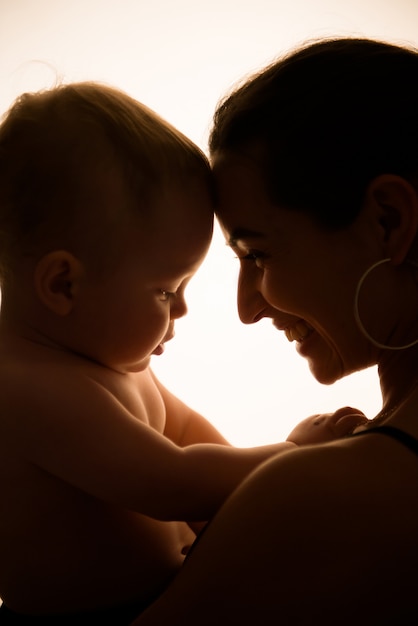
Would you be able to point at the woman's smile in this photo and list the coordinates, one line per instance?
(298, 332)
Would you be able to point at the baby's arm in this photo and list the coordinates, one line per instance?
(184, 426)
(76, 430)
(327, 426)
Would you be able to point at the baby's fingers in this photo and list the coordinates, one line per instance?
(347, 420)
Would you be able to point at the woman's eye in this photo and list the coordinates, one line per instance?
(252, 256)
(255, 256)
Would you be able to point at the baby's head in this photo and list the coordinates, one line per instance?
(85, 172)
(63, 152)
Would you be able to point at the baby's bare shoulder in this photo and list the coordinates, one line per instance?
(37, 386)
(23, 376)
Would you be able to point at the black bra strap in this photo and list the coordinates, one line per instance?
(396, 433)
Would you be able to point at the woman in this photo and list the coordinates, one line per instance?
(316, 160)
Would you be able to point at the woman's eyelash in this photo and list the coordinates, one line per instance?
(252, 255)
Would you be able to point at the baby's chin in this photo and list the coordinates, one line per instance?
(132, 368)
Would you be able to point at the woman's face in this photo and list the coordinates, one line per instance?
(301, 276)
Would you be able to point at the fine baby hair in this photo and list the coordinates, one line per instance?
(58, 147)
(324, 121)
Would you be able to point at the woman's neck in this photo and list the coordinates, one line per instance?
(398, 373)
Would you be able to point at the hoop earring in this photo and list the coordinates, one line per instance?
(357, 314)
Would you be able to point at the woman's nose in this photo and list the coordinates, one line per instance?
(251, 304)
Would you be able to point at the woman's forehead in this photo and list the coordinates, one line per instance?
(242, 200)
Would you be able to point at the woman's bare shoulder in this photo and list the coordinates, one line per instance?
(301, 539)
(352, 466)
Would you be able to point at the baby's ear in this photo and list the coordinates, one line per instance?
(395, 202)
(57, 278)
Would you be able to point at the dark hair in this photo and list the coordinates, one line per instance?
(54, 143)
(326, 120)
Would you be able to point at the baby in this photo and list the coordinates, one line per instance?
(106, 213)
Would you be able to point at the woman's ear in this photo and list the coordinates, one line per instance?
(395, 202)
(57, 279)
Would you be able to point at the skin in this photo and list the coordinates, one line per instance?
(98, 460)
(322, 534)
(87, 542)
(273, 258)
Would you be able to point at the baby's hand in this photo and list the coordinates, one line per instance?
(327, 426)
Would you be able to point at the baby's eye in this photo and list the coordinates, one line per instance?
(165, 295)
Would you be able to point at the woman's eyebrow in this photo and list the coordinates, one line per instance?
(243, 233)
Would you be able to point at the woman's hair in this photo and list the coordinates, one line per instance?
(59, 147)
(324, 121)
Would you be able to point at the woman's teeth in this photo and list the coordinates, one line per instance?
(298, 332)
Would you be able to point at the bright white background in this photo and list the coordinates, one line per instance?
(179, 57)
